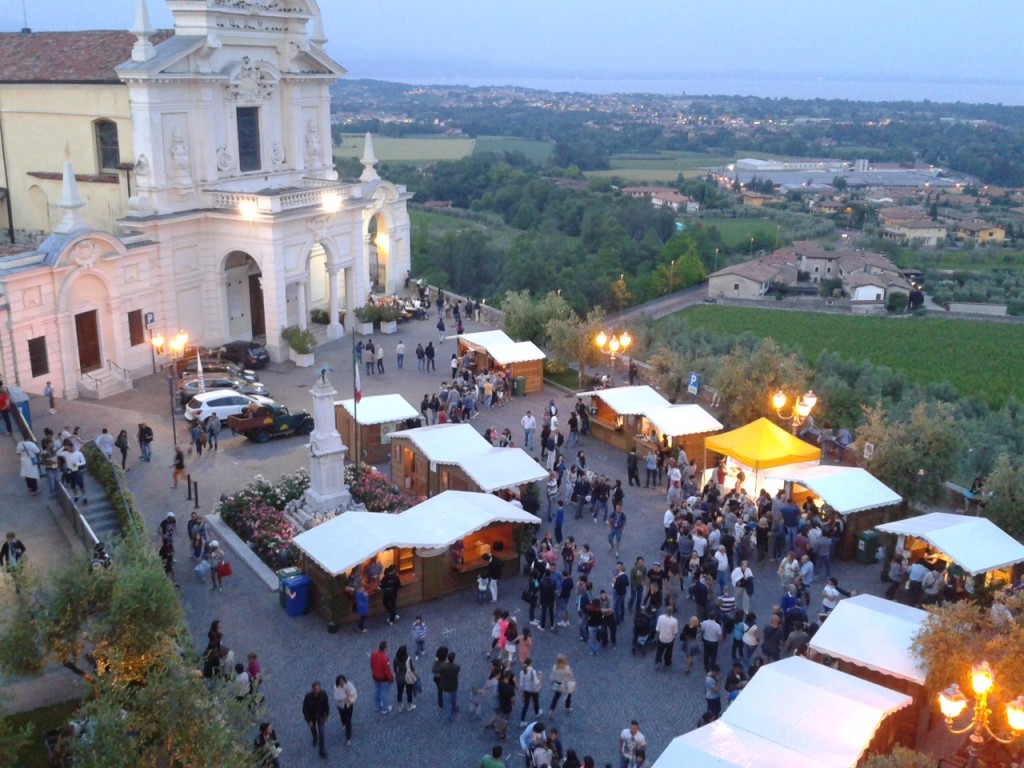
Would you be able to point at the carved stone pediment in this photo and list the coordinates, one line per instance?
(263, 6)
(251, 82)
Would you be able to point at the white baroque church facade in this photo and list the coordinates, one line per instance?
(234, 222)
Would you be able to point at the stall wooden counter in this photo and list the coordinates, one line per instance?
(617, 414)
(378, 416)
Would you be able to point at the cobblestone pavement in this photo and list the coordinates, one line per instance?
(614, 687)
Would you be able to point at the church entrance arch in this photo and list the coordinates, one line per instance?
(379, 237)
(92, 336)
(244, 297)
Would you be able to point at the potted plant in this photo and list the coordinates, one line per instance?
(389, 314)
(301, 342)
(334, 598)
(367, 315)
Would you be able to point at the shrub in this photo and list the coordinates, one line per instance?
(256, 514)
(374, 491)
(390, 312)
(368, 314)
(301, 340)
(120, 498)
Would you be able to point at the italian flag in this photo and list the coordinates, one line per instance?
(359, 386)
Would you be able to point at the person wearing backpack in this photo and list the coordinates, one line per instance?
(530, 681)
(145, 438)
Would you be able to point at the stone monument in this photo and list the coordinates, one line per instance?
(327, 490)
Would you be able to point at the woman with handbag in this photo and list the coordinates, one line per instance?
(405, 677)
(563, 681)
(29, 453)
(218, 565)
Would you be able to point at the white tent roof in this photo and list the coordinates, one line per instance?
(380, 409)
(353, 537)
(446, 443)
(502, 348)
(719, 745)
(502, 468)
(676, 420)
(630, 400)
(875, 633)
(811, 689)
(975, 544)
(845, 489)
(492, 469)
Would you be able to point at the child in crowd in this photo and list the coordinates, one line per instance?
(419, 635)
(476, 703)
(483, 594)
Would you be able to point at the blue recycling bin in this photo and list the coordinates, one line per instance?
(296, 594)
(20, 401)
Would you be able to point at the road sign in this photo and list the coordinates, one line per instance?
(150, 319)
(694, 383)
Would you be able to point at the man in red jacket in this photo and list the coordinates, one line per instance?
(380, 668)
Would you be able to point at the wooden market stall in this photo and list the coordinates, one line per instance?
(971, 546)
(757, 731)
(853, 493)
(429, 460)
(617, 414)
(377, 417)
(872, 638)
(677, 426)
(495, 350)
(438, 547)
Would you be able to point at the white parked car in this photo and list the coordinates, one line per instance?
(224, 402)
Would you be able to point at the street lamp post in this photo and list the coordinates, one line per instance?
(952, 702)
(177, 345)
(613, 344)
(800, 409)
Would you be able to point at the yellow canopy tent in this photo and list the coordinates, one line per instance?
(761, 445)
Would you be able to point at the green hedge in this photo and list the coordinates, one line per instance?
(109, 477)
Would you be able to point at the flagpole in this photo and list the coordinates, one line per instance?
(355, 400)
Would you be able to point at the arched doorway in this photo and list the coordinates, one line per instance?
(319, 296)
(87, 301)
(244, 299)
(379, 249)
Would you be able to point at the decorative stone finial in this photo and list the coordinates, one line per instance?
(143, 50)
(71, 203)
(368, 161)
(317, 36)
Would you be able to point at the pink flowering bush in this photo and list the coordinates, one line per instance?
(256, 514)
(375, 491)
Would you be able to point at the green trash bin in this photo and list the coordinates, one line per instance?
(867, 547)
(519, 386)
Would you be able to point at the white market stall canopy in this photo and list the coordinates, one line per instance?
(352, 538)
(875, 633)
(492, 469)
(629, 401)
(379, 409)
(678, 420)
(719, 745)
(502, 348)
(845, 489)
(975, 544)
(810, 689)
(502, 468)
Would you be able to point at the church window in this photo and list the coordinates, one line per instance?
(249, 155)
(136, 334)
(108, 155)
(37, 356)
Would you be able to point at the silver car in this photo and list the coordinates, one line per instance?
(190, 386)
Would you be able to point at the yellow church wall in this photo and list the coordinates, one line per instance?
(43, 122)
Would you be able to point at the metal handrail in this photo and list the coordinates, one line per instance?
(91, 378)
(111, 365)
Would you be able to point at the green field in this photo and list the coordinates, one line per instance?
(736, 233)
(538, 152)
(982, 360)
(975, 260)
(419, 149)
(658, 166)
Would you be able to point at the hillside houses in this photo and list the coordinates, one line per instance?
(664, 197)
(865, 278)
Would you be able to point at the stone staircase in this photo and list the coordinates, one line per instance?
(103, 383)
(99, 514)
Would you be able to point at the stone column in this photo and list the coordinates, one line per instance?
(327, 490)
(301, 287)
(334, 328)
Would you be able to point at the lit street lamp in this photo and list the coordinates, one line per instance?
(613, 344)
(952, 702)
(800, 409)
(177, 344)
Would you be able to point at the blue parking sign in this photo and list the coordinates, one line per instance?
(694, 383)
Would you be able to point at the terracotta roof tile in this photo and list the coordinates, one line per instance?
(66, 57)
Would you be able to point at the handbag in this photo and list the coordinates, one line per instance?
(202, 569)
(224, 569)
(410, 676)
(527, 596)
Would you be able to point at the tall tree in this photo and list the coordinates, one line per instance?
(571, 340)
(747, 378)
(1004, 495)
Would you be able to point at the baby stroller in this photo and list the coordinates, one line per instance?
(643, 631)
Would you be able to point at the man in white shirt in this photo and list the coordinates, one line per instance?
(666, 628)
(75, 464)
(105, 442)
(711, 636)
(742, 576)
(529, 427)
(629, 741)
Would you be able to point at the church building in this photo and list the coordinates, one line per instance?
(156, 182)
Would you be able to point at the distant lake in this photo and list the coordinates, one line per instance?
(794, 87)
